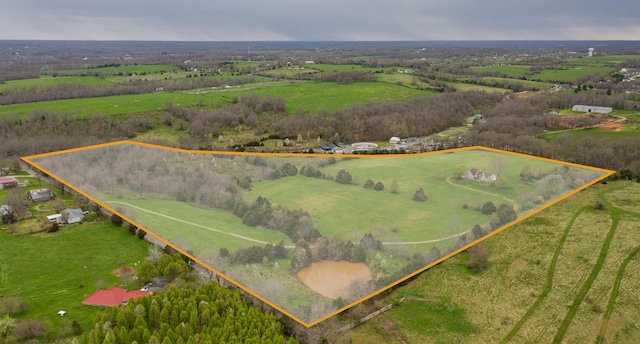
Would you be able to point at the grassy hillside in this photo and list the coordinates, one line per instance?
(56, 271)
(565, 274)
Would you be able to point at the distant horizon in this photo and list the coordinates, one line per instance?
(241, 41)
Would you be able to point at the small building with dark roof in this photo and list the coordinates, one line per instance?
(40, 195)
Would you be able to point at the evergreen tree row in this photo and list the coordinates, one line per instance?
(209, 313)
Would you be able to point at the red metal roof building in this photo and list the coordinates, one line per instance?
(113, 296)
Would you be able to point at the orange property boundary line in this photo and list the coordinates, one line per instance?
(28, 159)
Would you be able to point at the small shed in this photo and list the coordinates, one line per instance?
(8, 182)
(394, 140)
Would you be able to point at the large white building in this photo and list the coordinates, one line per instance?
(592, 109)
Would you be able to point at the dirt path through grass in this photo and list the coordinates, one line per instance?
(448, 180)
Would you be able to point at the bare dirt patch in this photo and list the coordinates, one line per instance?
(611, 126)
(124, 271)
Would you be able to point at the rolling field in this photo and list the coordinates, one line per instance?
(566, 274)
(198, 230)
(511, 70)
(299, 96)
(627, 131)
(342, 211)
(568, 74)
(56, 271)
(338, 209)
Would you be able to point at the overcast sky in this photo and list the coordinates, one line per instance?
(320, 20)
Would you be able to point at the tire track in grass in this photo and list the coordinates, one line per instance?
(577, 301)
(549, 282)
(614, 295)
(611, 303)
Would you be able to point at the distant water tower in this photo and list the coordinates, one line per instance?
(591, 51)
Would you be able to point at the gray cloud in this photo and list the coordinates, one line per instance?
(256, 20)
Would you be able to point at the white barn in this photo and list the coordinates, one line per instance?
(592, 109)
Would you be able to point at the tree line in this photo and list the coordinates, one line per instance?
(203, 314)
(29, 94)
(379, 121)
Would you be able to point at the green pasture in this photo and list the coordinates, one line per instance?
(116, 105)
(125, 69)
(548, 277)
(309, 96)
(194, 229)
(630, 131)
(408, 80)
(526, 83)
(340, 210)
(468, 87)
(46, 81)
(313, 96)
(56, 271)
(605, 58)
(568, 75)
(513, 71)
(328, 68)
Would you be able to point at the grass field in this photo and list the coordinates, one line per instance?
(46, 81)
(197, 230)
(568, 74)
(56, 271)
(299, 96)
(511, 70)
(630, 131)
(563, 275)
(343, 211)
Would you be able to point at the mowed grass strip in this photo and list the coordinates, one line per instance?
(195, 229)
(56, 271)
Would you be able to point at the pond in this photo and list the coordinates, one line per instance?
(332, 279)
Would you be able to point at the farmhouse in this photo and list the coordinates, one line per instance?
(479, 175)
(68, 216)
(40, 195)
(590, 109)
(112, 297)
(8, 182)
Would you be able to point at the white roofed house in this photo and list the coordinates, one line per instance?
(479, 175)
(72, 215)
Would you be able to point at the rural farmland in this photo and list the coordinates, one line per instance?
(264, 220)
